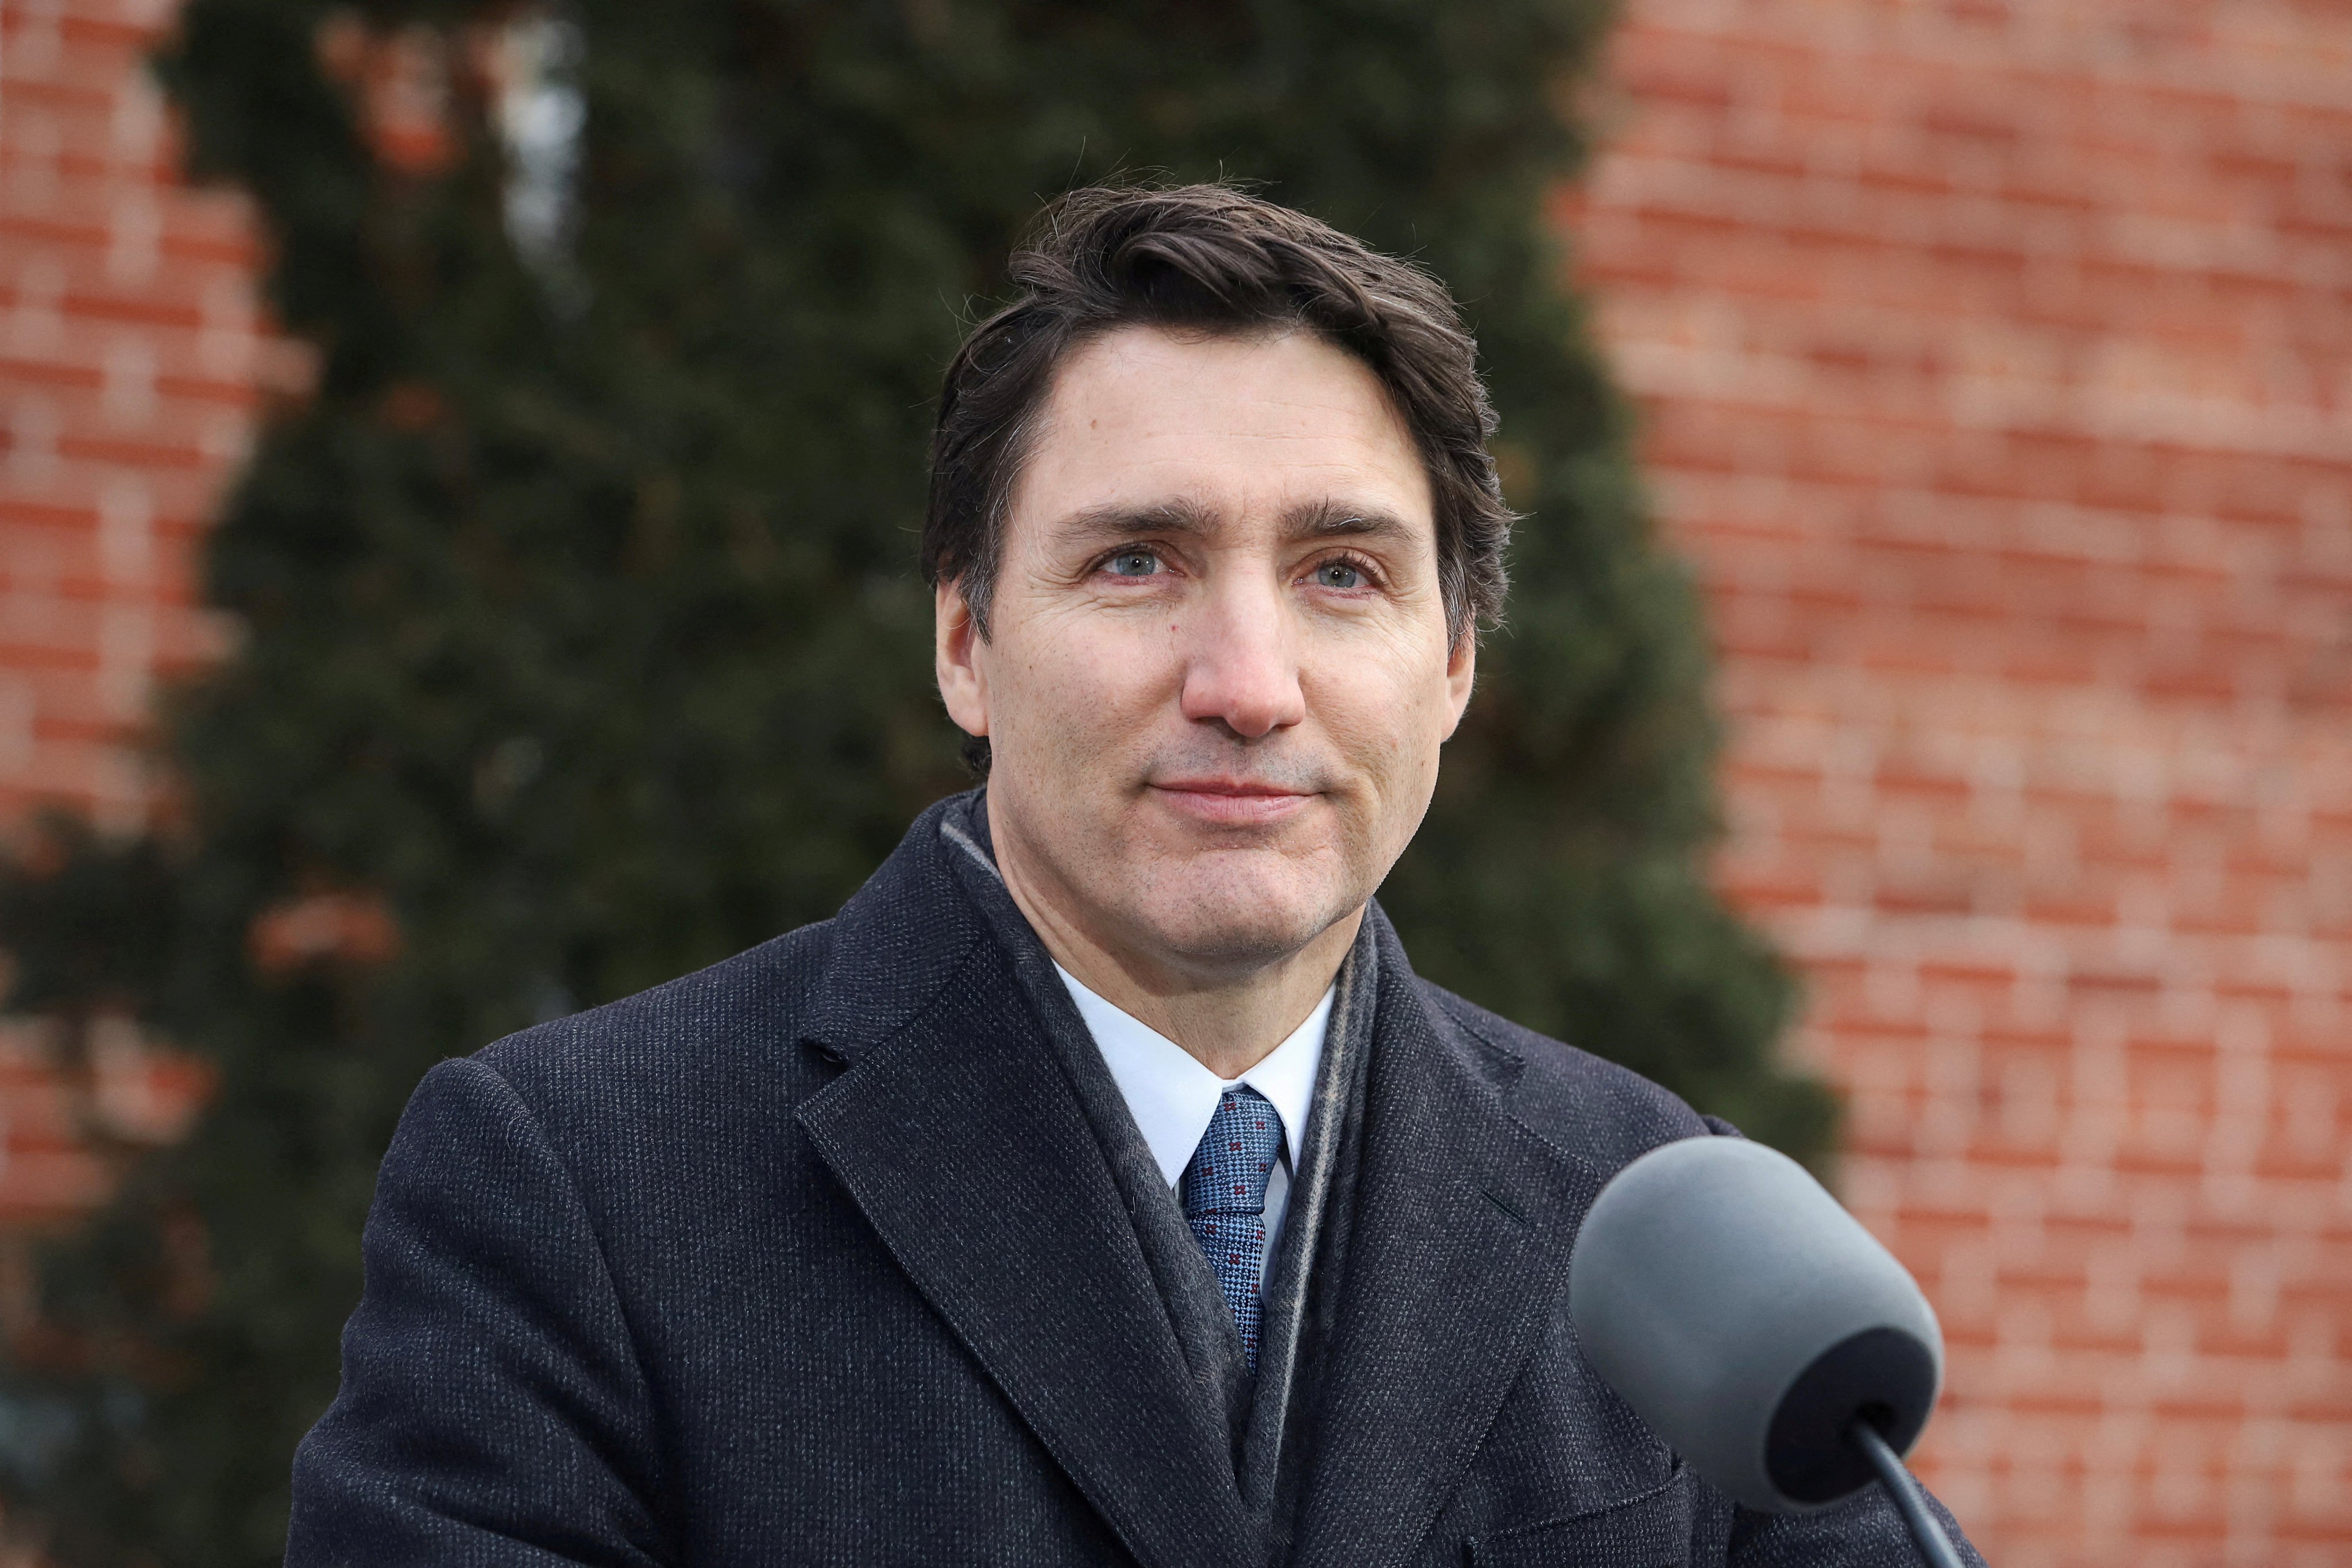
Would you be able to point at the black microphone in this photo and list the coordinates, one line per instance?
(1759, 1330)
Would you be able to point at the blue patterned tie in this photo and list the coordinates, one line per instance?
(1225, 1200)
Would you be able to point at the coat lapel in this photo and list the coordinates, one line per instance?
(1458, 1257)
(959, 1139)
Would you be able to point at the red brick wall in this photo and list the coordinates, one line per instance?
(131, 351)
(1997, 364)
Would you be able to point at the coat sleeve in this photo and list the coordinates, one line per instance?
(493, 1410)
(1864, 1531)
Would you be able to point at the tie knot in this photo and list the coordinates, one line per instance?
(1235, 1158)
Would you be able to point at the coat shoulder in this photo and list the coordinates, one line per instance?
(1603, 1113)
(704, 1038)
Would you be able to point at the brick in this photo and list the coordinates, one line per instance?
(1994, 362)
(133, 354)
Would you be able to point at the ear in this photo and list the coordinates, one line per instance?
(1460, 675)
(956, 643)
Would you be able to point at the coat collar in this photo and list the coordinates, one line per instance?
(896, 945)
(1457, 1260)
(959, 1136)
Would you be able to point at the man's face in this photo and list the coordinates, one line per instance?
(1218, 670)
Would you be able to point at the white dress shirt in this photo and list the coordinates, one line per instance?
(1172, 1095)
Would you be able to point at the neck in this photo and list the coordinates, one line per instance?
(1227, 1020)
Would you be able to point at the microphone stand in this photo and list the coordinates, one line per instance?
(1935, 1546)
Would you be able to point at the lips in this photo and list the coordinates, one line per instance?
(1231, 803)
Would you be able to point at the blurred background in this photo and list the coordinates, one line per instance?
(457, 472)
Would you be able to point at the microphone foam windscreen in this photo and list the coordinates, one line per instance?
(1749, 1320)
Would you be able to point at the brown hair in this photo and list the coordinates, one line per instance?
(1212, 258)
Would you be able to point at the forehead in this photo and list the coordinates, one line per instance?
(1242, 428)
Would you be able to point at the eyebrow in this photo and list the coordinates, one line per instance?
(1335, 520)
(1116, 521)
(1182, 515)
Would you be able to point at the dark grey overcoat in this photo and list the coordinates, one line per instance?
(815, 1256)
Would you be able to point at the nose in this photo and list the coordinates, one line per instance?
(1242, 664)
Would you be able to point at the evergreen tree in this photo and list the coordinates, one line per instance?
(582, 632)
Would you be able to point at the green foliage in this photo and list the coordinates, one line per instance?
(582, 628)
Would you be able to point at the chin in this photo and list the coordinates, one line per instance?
(1238, 923)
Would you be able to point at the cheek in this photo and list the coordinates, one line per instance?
(1070, 684)
(1389, 711)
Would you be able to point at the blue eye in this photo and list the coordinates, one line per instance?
(1339, 574)
(1134, 564)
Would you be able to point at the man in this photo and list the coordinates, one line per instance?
(1100, 1185)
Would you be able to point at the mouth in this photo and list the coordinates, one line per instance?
(1230, 802)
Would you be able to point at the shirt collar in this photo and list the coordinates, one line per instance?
(1172, 1095)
